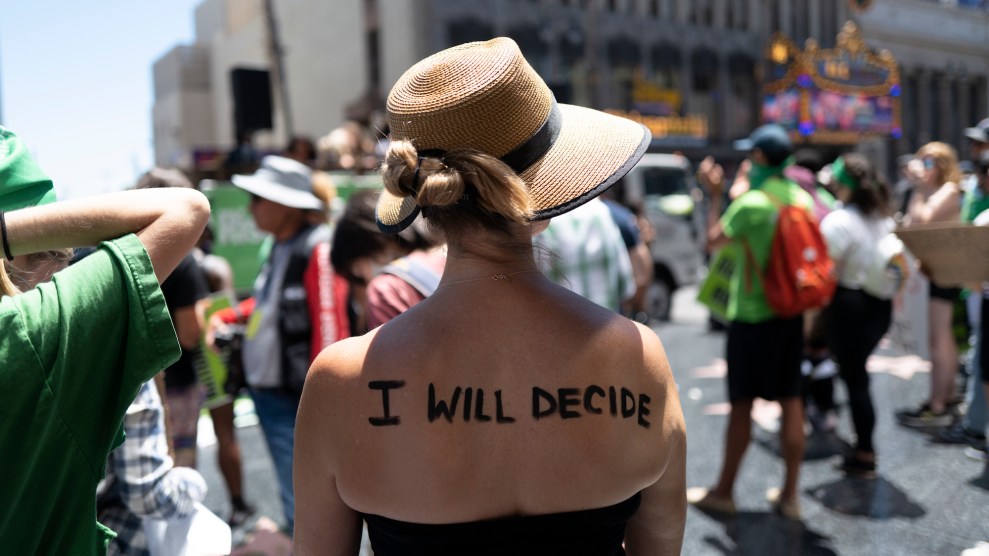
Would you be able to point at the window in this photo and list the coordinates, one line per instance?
(664, 181)
(773, 6)
(624, 59)
(468, 30)
(666, 66)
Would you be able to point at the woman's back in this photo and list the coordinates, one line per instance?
(501, 395)
(502, 399)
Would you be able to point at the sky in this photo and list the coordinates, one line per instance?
(76, 85)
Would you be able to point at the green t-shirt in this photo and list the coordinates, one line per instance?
(752, 219)
(74, 352)
(974, 203)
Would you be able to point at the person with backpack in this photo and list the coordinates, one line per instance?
(766, 224)
(871, 269)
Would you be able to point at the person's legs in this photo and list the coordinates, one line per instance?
(737, 437)
(229, 460)
(864, 320)
(792, 442)
(944, 354)
(277, 413)
(977, 417)
(184, 405)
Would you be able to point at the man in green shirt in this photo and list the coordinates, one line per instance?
(764, 351)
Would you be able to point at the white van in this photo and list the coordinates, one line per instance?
(663, 184)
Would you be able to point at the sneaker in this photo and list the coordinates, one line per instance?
(789, 509)
(958, 434)
(241, 514)
(702, 499)
(978, 453)
(857, 467)
(824, 370)
(925, 417)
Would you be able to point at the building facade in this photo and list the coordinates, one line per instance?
(689, 69)
(692, 70)
(943, 52)
(323, 60)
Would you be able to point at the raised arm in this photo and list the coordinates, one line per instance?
(167, 221)
(944, 204)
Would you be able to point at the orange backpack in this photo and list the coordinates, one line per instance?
(799, 274)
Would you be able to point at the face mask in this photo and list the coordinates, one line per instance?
(758, 174)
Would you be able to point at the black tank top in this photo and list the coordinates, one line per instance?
(597, 532)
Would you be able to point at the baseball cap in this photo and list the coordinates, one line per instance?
(772, 140)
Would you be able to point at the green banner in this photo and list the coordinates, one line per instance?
(235, 238)
(715, 292)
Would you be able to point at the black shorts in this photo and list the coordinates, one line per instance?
(764, 359)
(947, 294)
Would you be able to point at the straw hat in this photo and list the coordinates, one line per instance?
(484, 96)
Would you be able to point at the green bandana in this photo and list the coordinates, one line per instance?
(22, 183)
(840, 174)
(758, 174)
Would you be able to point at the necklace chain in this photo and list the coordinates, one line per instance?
(495, 277)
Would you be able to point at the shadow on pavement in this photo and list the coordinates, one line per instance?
(824, 445)
(767, 533)
(981, 480)
(820, 445)
(875, 498)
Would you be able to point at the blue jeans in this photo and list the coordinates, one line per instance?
(277, 410)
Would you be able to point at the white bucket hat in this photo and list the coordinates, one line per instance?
(283, 181)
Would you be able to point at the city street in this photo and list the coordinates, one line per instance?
(928, 499)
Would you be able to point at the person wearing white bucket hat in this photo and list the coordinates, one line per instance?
(298, 306)
(503, 414)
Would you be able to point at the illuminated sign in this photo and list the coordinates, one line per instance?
(659, 109)
(690, 130)
(833, 95)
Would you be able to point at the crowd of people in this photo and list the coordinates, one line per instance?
(793, 359)
(486, 284)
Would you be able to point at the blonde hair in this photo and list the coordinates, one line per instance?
(489, 186)
(945, 160)
(6, 286)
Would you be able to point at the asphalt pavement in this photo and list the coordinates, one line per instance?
(929, 499)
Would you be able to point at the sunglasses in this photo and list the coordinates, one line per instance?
(929, 163)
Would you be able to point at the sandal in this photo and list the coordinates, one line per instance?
(702, 499)
(790, 509)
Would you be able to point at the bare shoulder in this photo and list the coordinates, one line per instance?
(652, 346)
(341, 361)
(656, 368)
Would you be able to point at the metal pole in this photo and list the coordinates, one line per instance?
(275, 54)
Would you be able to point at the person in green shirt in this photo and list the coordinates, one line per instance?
(76, 350)
(764, 351)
